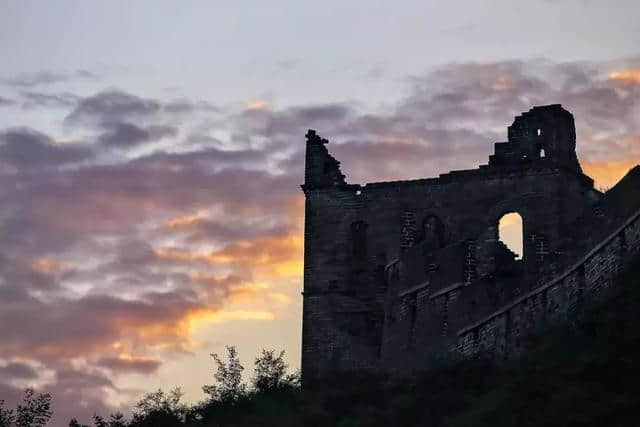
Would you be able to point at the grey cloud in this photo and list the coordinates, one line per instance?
(135, 268)
(184, 106)
(474, 93)
(431, 152)
(320, 112)
(111, 199)
(288, 64)
(131, 254)
(211, 230)
(209, 158)
(48, 100)
(200, 139)
(34, 79)
(291, 120)
(73, 378)
(18, 271)
(112, 106)
(27, 148)
(376, 72)
(123, 134)
(31, 233)
(65, 328)
(5, 102)
(87, 74)
(117, 106)
(79, 394)
(45, 78)
(17, 370)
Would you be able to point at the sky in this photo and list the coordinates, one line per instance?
(151, 154)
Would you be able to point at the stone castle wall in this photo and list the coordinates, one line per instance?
(399, 274)
(500, 334)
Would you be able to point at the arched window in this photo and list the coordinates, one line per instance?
(510, 232)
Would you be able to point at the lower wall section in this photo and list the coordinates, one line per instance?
(500, 334)
(339, 333)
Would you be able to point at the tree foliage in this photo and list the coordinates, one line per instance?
(34, 411)
(7, 416)
(160, 408)
(115, 420)
(270, 372)
(228, 376)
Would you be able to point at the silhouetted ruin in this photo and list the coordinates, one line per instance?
(400, 275)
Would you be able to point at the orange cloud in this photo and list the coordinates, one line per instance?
(273, 255)
(236, 289)
(504, 82)
(278, 254)
(225, 316)
(95, 324)
(173, 333)
(261, 252)
(247, 292)
(49, 265)
(258, 104)
(185, 221)
(627, 77)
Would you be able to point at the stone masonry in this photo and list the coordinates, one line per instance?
(401, 275)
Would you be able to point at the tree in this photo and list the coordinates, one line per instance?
(271, 372)
(34, 411)
(7, 416)
(115, 420)
(228, 376)
(158, 405)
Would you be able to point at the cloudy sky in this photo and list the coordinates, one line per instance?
(151, 154)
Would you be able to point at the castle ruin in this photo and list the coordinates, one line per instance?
(400, 275)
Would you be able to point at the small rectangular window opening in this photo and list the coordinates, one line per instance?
(539, 131)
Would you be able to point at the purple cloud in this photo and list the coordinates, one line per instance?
(25, 148)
